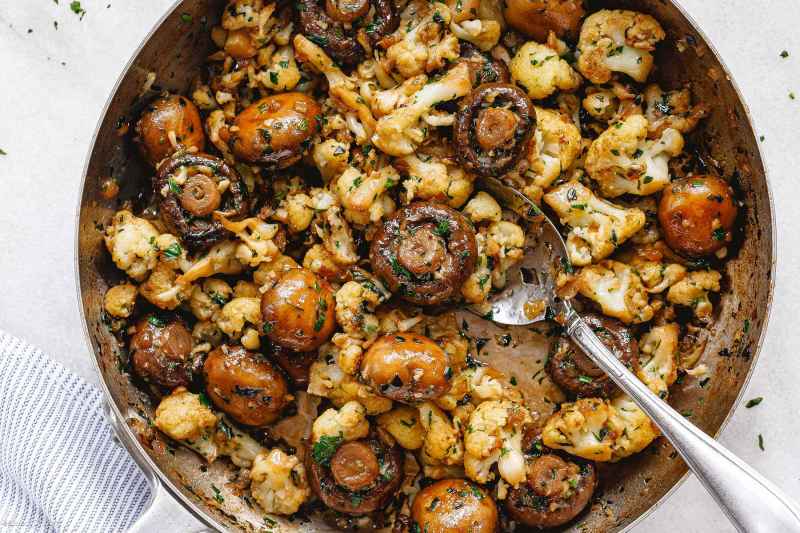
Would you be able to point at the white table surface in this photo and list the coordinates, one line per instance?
(54, 83)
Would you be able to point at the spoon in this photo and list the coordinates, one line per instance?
(750, 501)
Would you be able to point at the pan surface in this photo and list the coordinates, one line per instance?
(175, 52)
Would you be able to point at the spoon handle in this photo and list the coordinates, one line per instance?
(751, 502)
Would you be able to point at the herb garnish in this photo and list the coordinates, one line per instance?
(325, 447)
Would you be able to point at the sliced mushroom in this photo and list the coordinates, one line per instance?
(697, 215)
(192, 187)
(275, 130)
(572, 370)
(168, 123)
(424, 251)
(454, 505)
(483, 68)
(325, 26)
(299, 311)
(245, 385)
(557, 490)
(407, 367)
(493, 128)
(359, 478)
(161, 352)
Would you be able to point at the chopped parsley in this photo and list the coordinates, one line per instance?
(399, 269)
(3, 152)
(761, 442)
(267, 328)
(322, 310)
(217, 494)
(273, 77)
(442, 229)
(319, 40)
(186, 17)
(753, 402)
(173, 251)
(585, 379)
(325, 447)
(784, 54)
(77, 9)
(718, 234)
(174, 187)
(155, 321)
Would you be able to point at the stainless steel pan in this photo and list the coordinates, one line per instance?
(184, 493)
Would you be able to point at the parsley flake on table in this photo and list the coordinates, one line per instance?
(77, 9)
(752, 403)
(784, 54)
(3, 152)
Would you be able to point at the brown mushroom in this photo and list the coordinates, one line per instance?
(192, 187)
(299, 311)
(161, 352)
(245, 385)
(483, 68)
(557, 490)
(325, 26)
(493, 128)
(537, 18)
(295, 364)
(407, 367)
(424, 251)
(454, 505)
(168, 116)
(275, 130)
(573, 371)
(359, 477)
(697, 215)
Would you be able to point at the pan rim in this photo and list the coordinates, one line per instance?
(154, 473)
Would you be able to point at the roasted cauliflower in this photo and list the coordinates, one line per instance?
(349, 422)
(120, 300)
(556, 146)
(692, 291)
(623, 161)
(618, 41)
(671, 109)
(442, 444)
(239, 319)
(278, 482)
(164, 287)
(618, 290)
(130, 240)
(184, 417)
(540, 70)
(658, 358)
(494, 435)
(599, 430)
(432, 179)
(403, 424)
(598, 227)
(328, 380)
(482, 207)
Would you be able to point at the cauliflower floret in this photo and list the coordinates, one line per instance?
(442, 443)
(341, 88)
(599, 430)
(278, 482)
(164, 288)
(130, 241)
(432, 179)
(349, 422)
(236, 444)
(598, 226)
(658, 358)
(355, 305)
(282, 73)
(618, 290)
(494, 435)
(363, 195)
(295, 210)
(671, 109)
(504, 242)
(236, 314)
(421, 43)
(692, 291)
(336, 236)
(476, 288)
(330, 157)
(622, 160)
(320, 261)
(483, 207)
(482, 33)
(267, 274)
(257, 236)
(618, 41)
(556, 146)
(328, 380)
(208, 298)
(403, 424)
(241, 14)
(399, 133)
(541, 72)
(120, 300)
(220, 259)
(184, 417)
(477, 385)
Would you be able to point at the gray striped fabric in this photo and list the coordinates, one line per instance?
(59, 468)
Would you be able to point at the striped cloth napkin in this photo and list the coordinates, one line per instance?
(59, 467)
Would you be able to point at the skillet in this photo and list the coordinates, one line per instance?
(184, 494)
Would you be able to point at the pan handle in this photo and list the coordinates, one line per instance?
(164, 513)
